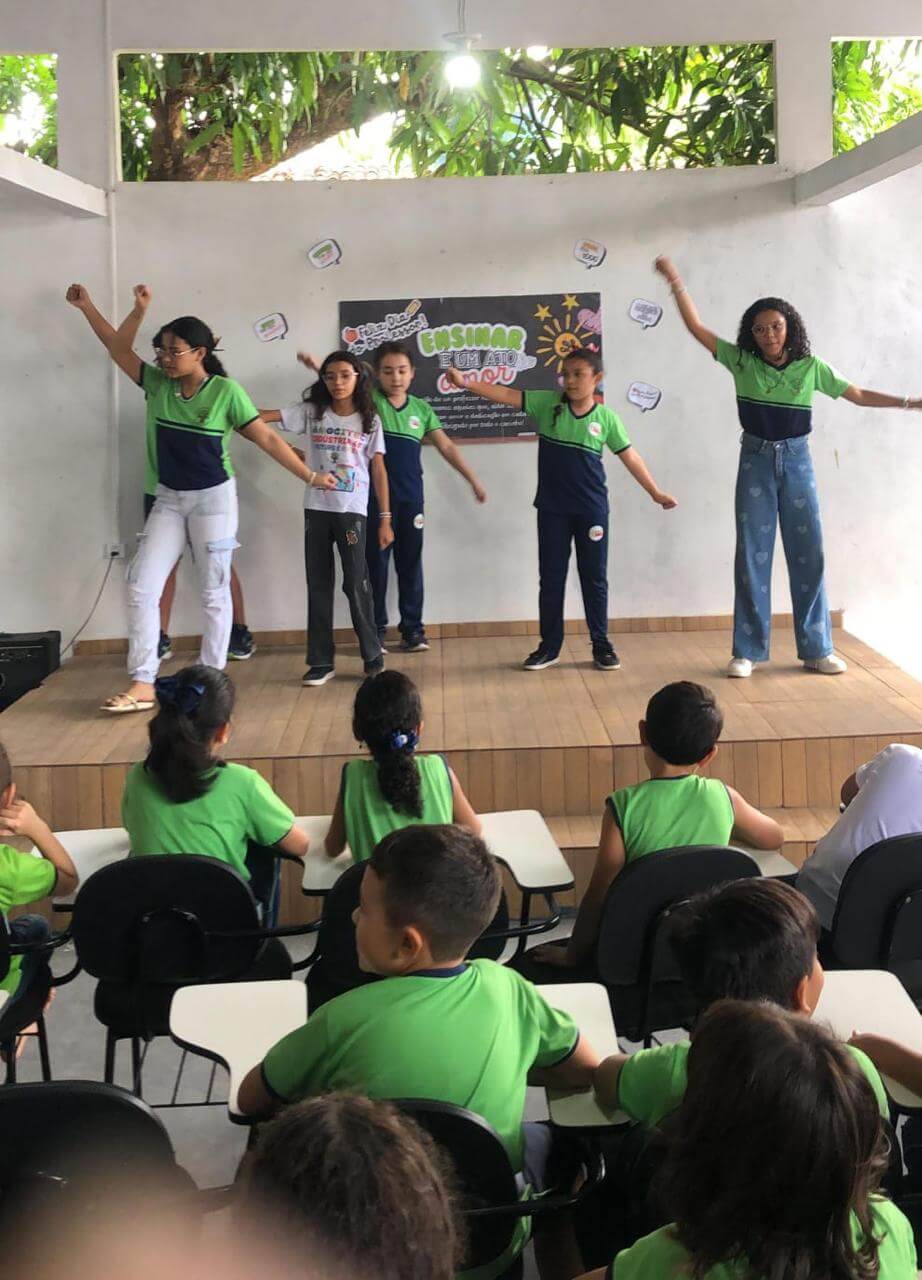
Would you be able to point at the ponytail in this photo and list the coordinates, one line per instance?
(386, 717)
(197, 334)
(191, 707)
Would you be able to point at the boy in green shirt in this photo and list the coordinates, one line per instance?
(25, 878)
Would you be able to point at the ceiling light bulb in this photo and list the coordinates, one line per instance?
(537, 52)
(462, 71)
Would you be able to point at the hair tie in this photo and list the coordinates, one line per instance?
(176, 693)
(400, 741)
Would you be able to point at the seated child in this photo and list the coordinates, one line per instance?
(775, 1163)
(396, 787)
(436, 1026)
(676, 806)
(185, 799)
(356, 1186)
(883, 798)
(24, 878)
(752, 940)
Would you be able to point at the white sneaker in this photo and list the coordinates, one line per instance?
(739, 667)
(831, 665)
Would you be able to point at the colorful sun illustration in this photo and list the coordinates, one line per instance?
(559, 337)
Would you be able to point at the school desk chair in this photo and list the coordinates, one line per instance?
(878, 918)
(634, 956)
(146, 926)
(333, 968)
(492, 1197)
(29, 1009)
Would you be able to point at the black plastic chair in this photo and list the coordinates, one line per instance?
(146, 926)
(489, 1191)
(634, 955)
(29, 1009)
(334, 969)
(878, 918)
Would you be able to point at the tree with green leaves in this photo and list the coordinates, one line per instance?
(28, 94)
(876, 84)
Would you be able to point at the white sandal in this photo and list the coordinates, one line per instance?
(121, 704)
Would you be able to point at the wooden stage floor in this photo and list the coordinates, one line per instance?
(556, 740)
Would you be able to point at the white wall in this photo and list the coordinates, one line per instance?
(234, 252)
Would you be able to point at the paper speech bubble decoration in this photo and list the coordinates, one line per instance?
(271, 327)
(645, 396)
(591, 320)
(646, 313)
(590, 253)
(325, 253)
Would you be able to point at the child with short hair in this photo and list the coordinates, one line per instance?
(24, 878)
(183, 798)
(675, 806)
(470, 1033)
(775, 1163)
(749, 940)
(396, 787)
(359, 1186)
(408, 422)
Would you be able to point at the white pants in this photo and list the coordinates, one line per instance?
(206, 519)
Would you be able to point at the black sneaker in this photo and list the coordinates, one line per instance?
(164, 647)
(241, 644)
(605, 658)
(317, 675)
(416, 642)
(374, 666)
(540, 659)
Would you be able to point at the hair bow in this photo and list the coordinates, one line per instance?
(176, 693)
(400, 741)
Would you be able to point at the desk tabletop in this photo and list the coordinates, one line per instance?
(770, 861)
(519, 838)
(588, 1006)
(237, 1023)
(876, 1001)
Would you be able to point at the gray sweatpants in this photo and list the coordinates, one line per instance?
(346, 531)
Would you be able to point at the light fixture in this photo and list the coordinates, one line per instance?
(537, 52)
(462, 70)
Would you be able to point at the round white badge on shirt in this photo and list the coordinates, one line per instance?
(419, 521)
(596, 533)
(595, 429)
(415, 423)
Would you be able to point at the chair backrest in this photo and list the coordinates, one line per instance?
(154, 919)
(629, 949)
(484, 1174)
(872, 894)
(77, 1135)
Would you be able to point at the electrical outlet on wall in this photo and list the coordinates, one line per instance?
(113, 551)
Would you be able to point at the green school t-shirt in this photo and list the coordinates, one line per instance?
(776, 404)
(652, 1082)
(660, 1254)
(238, 807)
(23, 878)
(669, 813)
(187, 439)
(571, 478)
(369, 817)
(468, 1036)
(404, 431)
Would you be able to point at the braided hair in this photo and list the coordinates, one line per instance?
(386, 717)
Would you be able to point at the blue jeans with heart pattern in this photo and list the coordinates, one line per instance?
(775, 482)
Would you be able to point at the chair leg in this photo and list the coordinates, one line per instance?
(109, 1070)
(43, 1047)
(136, 1066)
(9, 1048)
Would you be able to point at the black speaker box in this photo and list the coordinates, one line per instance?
(25, 660)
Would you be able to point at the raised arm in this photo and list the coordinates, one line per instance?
(636, 466)
(687, 309)
(118, 342)
(878, 399)
(502, 395)
(20, 819)
(455, 458)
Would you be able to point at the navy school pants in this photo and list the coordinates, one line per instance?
(555, 534)
(407, 520)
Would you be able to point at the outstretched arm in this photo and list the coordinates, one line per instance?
(635, 464)
(502, 395)
(904, 1065)
(455, 458)
(687, 309)
(272, 443)
(118, 342)
(878, 399)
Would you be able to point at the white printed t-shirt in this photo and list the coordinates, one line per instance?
(339, 445)
(888, 803)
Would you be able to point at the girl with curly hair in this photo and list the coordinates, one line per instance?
(776, 377)
(396, 787)
(337, 417)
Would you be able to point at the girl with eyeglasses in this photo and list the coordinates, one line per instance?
(776, 377)
(193, 409)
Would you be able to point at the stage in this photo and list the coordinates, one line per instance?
(557, 741)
